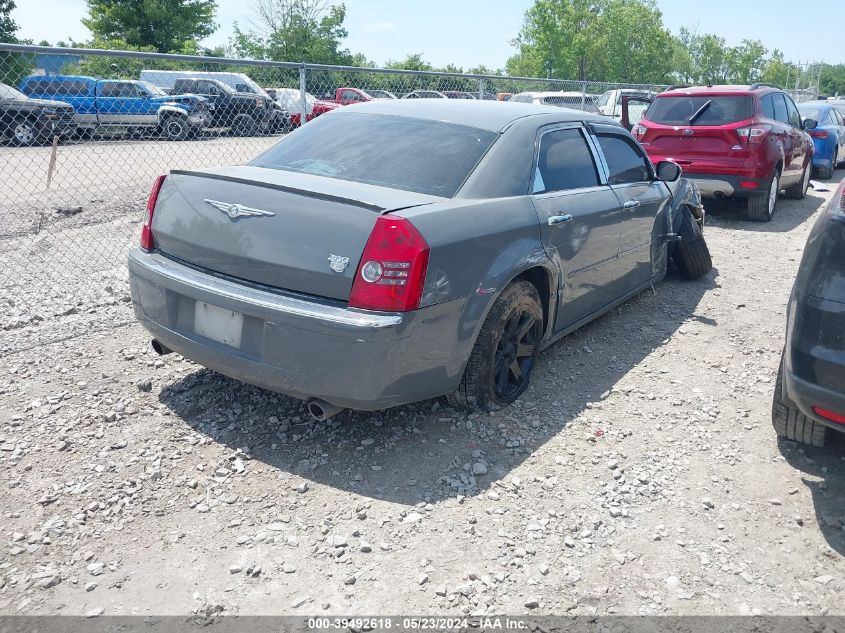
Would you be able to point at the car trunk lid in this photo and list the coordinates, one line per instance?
(287, 230)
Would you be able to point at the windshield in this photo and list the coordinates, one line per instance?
(700, 110)
(153, 90)
(428, 157)
(7, 92)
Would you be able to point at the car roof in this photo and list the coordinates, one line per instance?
(716, 90)
(59, 77)
(553, 93)
(481, 113)
(817, 104)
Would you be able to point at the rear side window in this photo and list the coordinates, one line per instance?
(564, 162)
(624, 160)
(768, 106)
(792, 112)
(429, 157)
(780, 108)
(719, 110)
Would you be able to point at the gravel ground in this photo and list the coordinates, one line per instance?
(639, 474)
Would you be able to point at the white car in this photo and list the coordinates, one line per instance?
(573, 100)
(610, 103)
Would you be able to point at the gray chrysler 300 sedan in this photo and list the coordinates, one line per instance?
(401, 250)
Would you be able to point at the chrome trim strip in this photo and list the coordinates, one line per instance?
(140, 261)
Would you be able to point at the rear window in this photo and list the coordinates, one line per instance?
(678, 110)
(811, 113)
(428, 157)
(575, 103)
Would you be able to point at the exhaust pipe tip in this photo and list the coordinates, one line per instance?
(320, 410)
(160, 348)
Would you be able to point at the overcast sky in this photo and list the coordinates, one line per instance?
(472, 32)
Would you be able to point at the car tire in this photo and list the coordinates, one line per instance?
(691, 255)
(762, 208)
(514, 321)
(244, 125)
(836, 159)
(799, 189)
(175, 128)
(791, 423)
(24, 132)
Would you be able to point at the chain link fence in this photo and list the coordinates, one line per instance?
(84, 134)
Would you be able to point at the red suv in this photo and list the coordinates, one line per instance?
(733, 141)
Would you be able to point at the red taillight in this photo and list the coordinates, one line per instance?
(639, 131)
(819, 133)
(392, 271)
(747, 184)
(753, 134)
(147, 241)
(829, 415)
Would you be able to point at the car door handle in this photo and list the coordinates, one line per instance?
(559, 219)
(631, 204)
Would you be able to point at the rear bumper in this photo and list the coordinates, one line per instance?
(823, 152)
(814, 372)
(719, 186)
(301, 348)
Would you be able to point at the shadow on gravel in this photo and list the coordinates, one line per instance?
(424, 451)
(826, 481)
(789, 214)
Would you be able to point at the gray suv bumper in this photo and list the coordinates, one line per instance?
(302, 348)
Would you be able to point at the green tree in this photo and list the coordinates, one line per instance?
(295, 31)
(8, 27)
(13, 66)
(832, 81)
(165, 26)
(746, 62)
(600, 40)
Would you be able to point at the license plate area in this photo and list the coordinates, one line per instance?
(218, 324)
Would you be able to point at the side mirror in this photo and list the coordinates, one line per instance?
(809, 124)
(668, 171)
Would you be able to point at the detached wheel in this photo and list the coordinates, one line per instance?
(499, 368)
(24, 132)
(762, 208)
(175, 128)
(691, 255)
(799, 189)
(791, 423)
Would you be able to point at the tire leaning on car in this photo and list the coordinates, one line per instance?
(505, 353)
(691, 255)
(791, 423)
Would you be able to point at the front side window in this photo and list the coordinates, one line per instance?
(564, 162)
(624, 160)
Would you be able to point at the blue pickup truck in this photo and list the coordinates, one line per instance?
(122, 106)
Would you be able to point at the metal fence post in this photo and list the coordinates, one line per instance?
(303, 102)
(481, 88)
(583, 94)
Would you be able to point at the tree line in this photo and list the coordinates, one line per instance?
(619, 41)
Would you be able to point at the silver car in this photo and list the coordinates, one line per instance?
(402, 250)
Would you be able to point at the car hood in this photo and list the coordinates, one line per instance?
(43, 103)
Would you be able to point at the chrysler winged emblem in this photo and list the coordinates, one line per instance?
(235, 211)
(338, 263)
